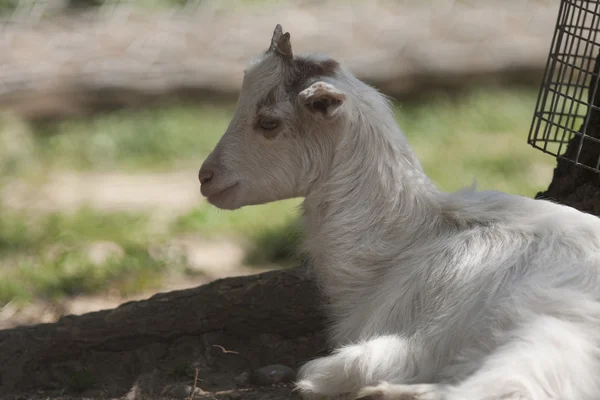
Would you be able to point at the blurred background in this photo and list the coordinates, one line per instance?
(107, 110)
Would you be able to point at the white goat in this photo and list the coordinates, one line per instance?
(454, 296)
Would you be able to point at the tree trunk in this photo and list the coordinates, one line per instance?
(574, 185)
(270, 318)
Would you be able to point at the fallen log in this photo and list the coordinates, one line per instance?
(269, 318)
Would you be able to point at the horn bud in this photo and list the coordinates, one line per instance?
(280, 44)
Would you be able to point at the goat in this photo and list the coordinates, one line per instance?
(469, 295)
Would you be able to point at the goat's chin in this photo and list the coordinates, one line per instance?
(236, 197)
(229, 202)
(227, 199)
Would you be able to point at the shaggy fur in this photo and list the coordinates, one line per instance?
(447, 296)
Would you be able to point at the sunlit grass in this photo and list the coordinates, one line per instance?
(20, 232)
(481, 137)
(49, 256)
(149, 139)
(70, 272)
(270, 232)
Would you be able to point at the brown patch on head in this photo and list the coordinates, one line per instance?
(296, 76)
(305, 69)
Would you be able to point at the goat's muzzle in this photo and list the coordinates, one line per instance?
(205, 175)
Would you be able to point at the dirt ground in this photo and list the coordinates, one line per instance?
(174, 192)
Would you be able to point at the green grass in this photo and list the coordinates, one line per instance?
(481, 136)
(71, 273)
(20, 232)
(48, 256)
(150, 139)
(243, 222)
(271, 232)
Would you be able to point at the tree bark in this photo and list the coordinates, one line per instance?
(269, 318)
(574, 185)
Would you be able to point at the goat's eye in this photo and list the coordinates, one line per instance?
(268, 125)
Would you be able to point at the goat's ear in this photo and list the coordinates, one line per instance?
(322, 99)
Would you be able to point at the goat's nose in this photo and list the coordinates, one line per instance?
(205, 175)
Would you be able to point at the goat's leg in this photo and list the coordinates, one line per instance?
(354, 366)
(548, 359)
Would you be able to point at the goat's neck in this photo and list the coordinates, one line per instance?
(373, 201)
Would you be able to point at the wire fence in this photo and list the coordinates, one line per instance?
(566, 105)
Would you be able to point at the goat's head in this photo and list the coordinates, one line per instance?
(279, 140)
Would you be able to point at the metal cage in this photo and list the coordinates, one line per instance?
(565, 105)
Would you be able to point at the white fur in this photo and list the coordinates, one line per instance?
(439, 296)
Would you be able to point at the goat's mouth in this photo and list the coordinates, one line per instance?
(219, 199)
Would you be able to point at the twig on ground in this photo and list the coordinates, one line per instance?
(225, 351)
(194, 386)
